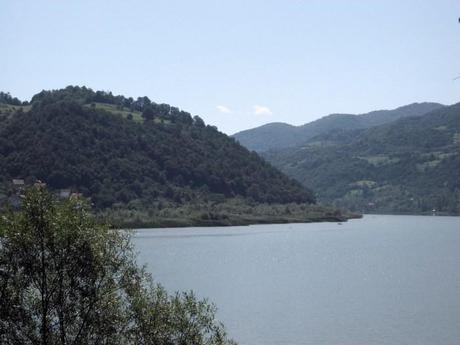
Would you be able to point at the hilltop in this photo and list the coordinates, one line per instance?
(142, 161)
(281, 135)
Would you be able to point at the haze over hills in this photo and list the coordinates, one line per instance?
(281, 135)
(410, 165)
(128, 154)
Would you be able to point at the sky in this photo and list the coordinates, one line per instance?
(238, 64)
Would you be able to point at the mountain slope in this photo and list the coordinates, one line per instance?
(280, 135)
(409, 165)
(171, 156)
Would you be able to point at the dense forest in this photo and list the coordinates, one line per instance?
(127, 154)
(409, 165)
(282, 135)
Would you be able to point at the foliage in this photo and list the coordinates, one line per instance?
(65, 279)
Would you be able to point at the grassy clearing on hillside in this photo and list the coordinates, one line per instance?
(433, 159)
(123, 111)
(364, 183)
(422, 167)
(379, 160)
(8, 109)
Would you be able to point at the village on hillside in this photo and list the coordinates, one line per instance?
(13, 192)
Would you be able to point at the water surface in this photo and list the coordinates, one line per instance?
(379, 280)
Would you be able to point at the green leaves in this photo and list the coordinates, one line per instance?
(66, 279)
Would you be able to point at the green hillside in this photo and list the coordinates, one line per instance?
(407, 166)
(140, 159)
(282, 135)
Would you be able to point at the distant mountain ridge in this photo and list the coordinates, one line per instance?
(281, 135)
(410, 165)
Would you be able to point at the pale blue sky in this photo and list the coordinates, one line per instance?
(238, 64)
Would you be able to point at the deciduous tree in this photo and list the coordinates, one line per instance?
(65, 279)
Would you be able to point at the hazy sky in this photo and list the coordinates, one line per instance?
(238, 64)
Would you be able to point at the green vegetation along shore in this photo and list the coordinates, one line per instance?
(231, 213)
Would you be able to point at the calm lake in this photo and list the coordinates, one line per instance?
(392, 280)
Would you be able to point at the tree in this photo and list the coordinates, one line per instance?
(148, 114)
(65, 279)
(198, 121)
(6, 98)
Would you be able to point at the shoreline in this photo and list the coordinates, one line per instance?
(236, 221)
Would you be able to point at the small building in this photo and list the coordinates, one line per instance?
(18, 182)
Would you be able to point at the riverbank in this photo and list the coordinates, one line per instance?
(223, 214)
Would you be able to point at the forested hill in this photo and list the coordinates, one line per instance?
(121, 151)
(282, 135)
(407, 166)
